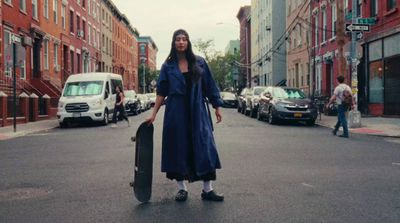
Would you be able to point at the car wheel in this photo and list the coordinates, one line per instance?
(238, 109)
(271, 118)
(259, 117)
(64, 125)
(105, 117)
(253, 113)
(311, 122)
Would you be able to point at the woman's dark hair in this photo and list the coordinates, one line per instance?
(340, 78)
(190, 56)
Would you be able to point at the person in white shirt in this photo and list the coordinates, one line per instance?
(337, 98)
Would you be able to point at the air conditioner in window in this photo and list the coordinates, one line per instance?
(57, 68)
(268, 27)
(80, 33)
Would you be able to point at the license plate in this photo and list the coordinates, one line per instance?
(76, 114)
(298, 115)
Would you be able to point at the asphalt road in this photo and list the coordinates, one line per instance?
(283, 173)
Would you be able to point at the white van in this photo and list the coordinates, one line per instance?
(88, 97)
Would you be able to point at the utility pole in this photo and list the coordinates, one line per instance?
(144, 76)
(340, 36)
(354, 115)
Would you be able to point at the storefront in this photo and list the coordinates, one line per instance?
(384, 76)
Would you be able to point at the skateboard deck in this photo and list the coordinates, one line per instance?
(143, 175)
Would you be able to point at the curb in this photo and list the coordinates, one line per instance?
(369, 134)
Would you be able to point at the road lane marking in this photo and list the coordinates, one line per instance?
(307, 185)
(396, 164)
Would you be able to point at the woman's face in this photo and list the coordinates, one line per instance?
(181, 43)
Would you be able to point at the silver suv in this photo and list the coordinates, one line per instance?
(252, 99)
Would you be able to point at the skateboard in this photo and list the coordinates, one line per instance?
(143, 174)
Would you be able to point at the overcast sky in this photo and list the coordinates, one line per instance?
(160, 18)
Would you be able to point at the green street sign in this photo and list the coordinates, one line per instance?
(348, 16)
(368, 21)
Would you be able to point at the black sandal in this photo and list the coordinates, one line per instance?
(181, 195)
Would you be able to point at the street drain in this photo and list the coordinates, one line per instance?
(22, 193)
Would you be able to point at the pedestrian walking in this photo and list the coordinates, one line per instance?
(119, 107)
(344, 101)
(189, 152)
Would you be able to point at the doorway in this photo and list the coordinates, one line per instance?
(392, 86)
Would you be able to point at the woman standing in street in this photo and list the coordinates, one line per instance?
(188, 147)
(119, 107)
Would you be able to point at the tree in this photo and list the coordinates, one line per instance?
(222, 66)
(149, 75)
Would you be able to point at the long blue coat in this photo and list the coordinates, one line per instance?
(175, 143)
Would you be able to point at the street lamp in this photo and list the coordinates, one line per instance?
(143, 60)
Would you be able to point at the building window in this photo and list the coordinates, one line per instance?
(391, 4)
(46, 9)
(55, 14)
(359, 8)
(8, 2)
(84, 29)
(71, 57)
(88, 6)
(55, 56)
(63, 16)
(334, 16)
(323, 26)
(7, 53)
(46, 54)
(78, 62)
(316, 30)
(83, 3)
(22, 69)
(374, 8)
(71, 21)
(78, 24)
(89, 34)
(22, 5)
(34, 9)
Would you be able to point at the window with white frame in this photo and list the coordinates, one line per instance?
(8, 2)
(34, 9)
(22, 69)
(89, 34)
(55, 56)
(323, 25)
(63, 16)
(359, 8)
(22, 5)
(7, 53)
(316, 30)
(334, 16)
(46, 9)
(55, 12)
(46, 54)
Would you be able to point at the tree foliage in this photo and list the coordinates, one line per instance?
(150, 75)
(221, 65)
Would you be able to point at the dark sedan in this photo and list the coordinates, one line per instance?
(278, 104)
(229, 99)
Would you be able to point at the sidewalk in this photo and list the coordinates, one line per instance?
(28, 128)
(378, 126)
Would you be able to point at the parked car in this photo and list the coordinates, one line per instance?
(152, 97)
(252, 98)
(283, 103)
(229, 99)
(131, 102)
(241, 100)
(144, 102)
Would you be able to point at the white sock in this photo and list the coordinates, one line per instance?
(182, 185)
(207, 186)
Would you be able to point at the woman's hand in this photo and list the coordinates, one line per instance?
(151, 119)
(218, 114)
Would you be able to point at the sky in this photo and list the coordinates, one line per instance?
(160, 18)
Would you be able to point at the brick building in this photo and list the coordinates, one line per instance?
(298, 48)
(244, 17)
(147, 52)
(381, 78)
